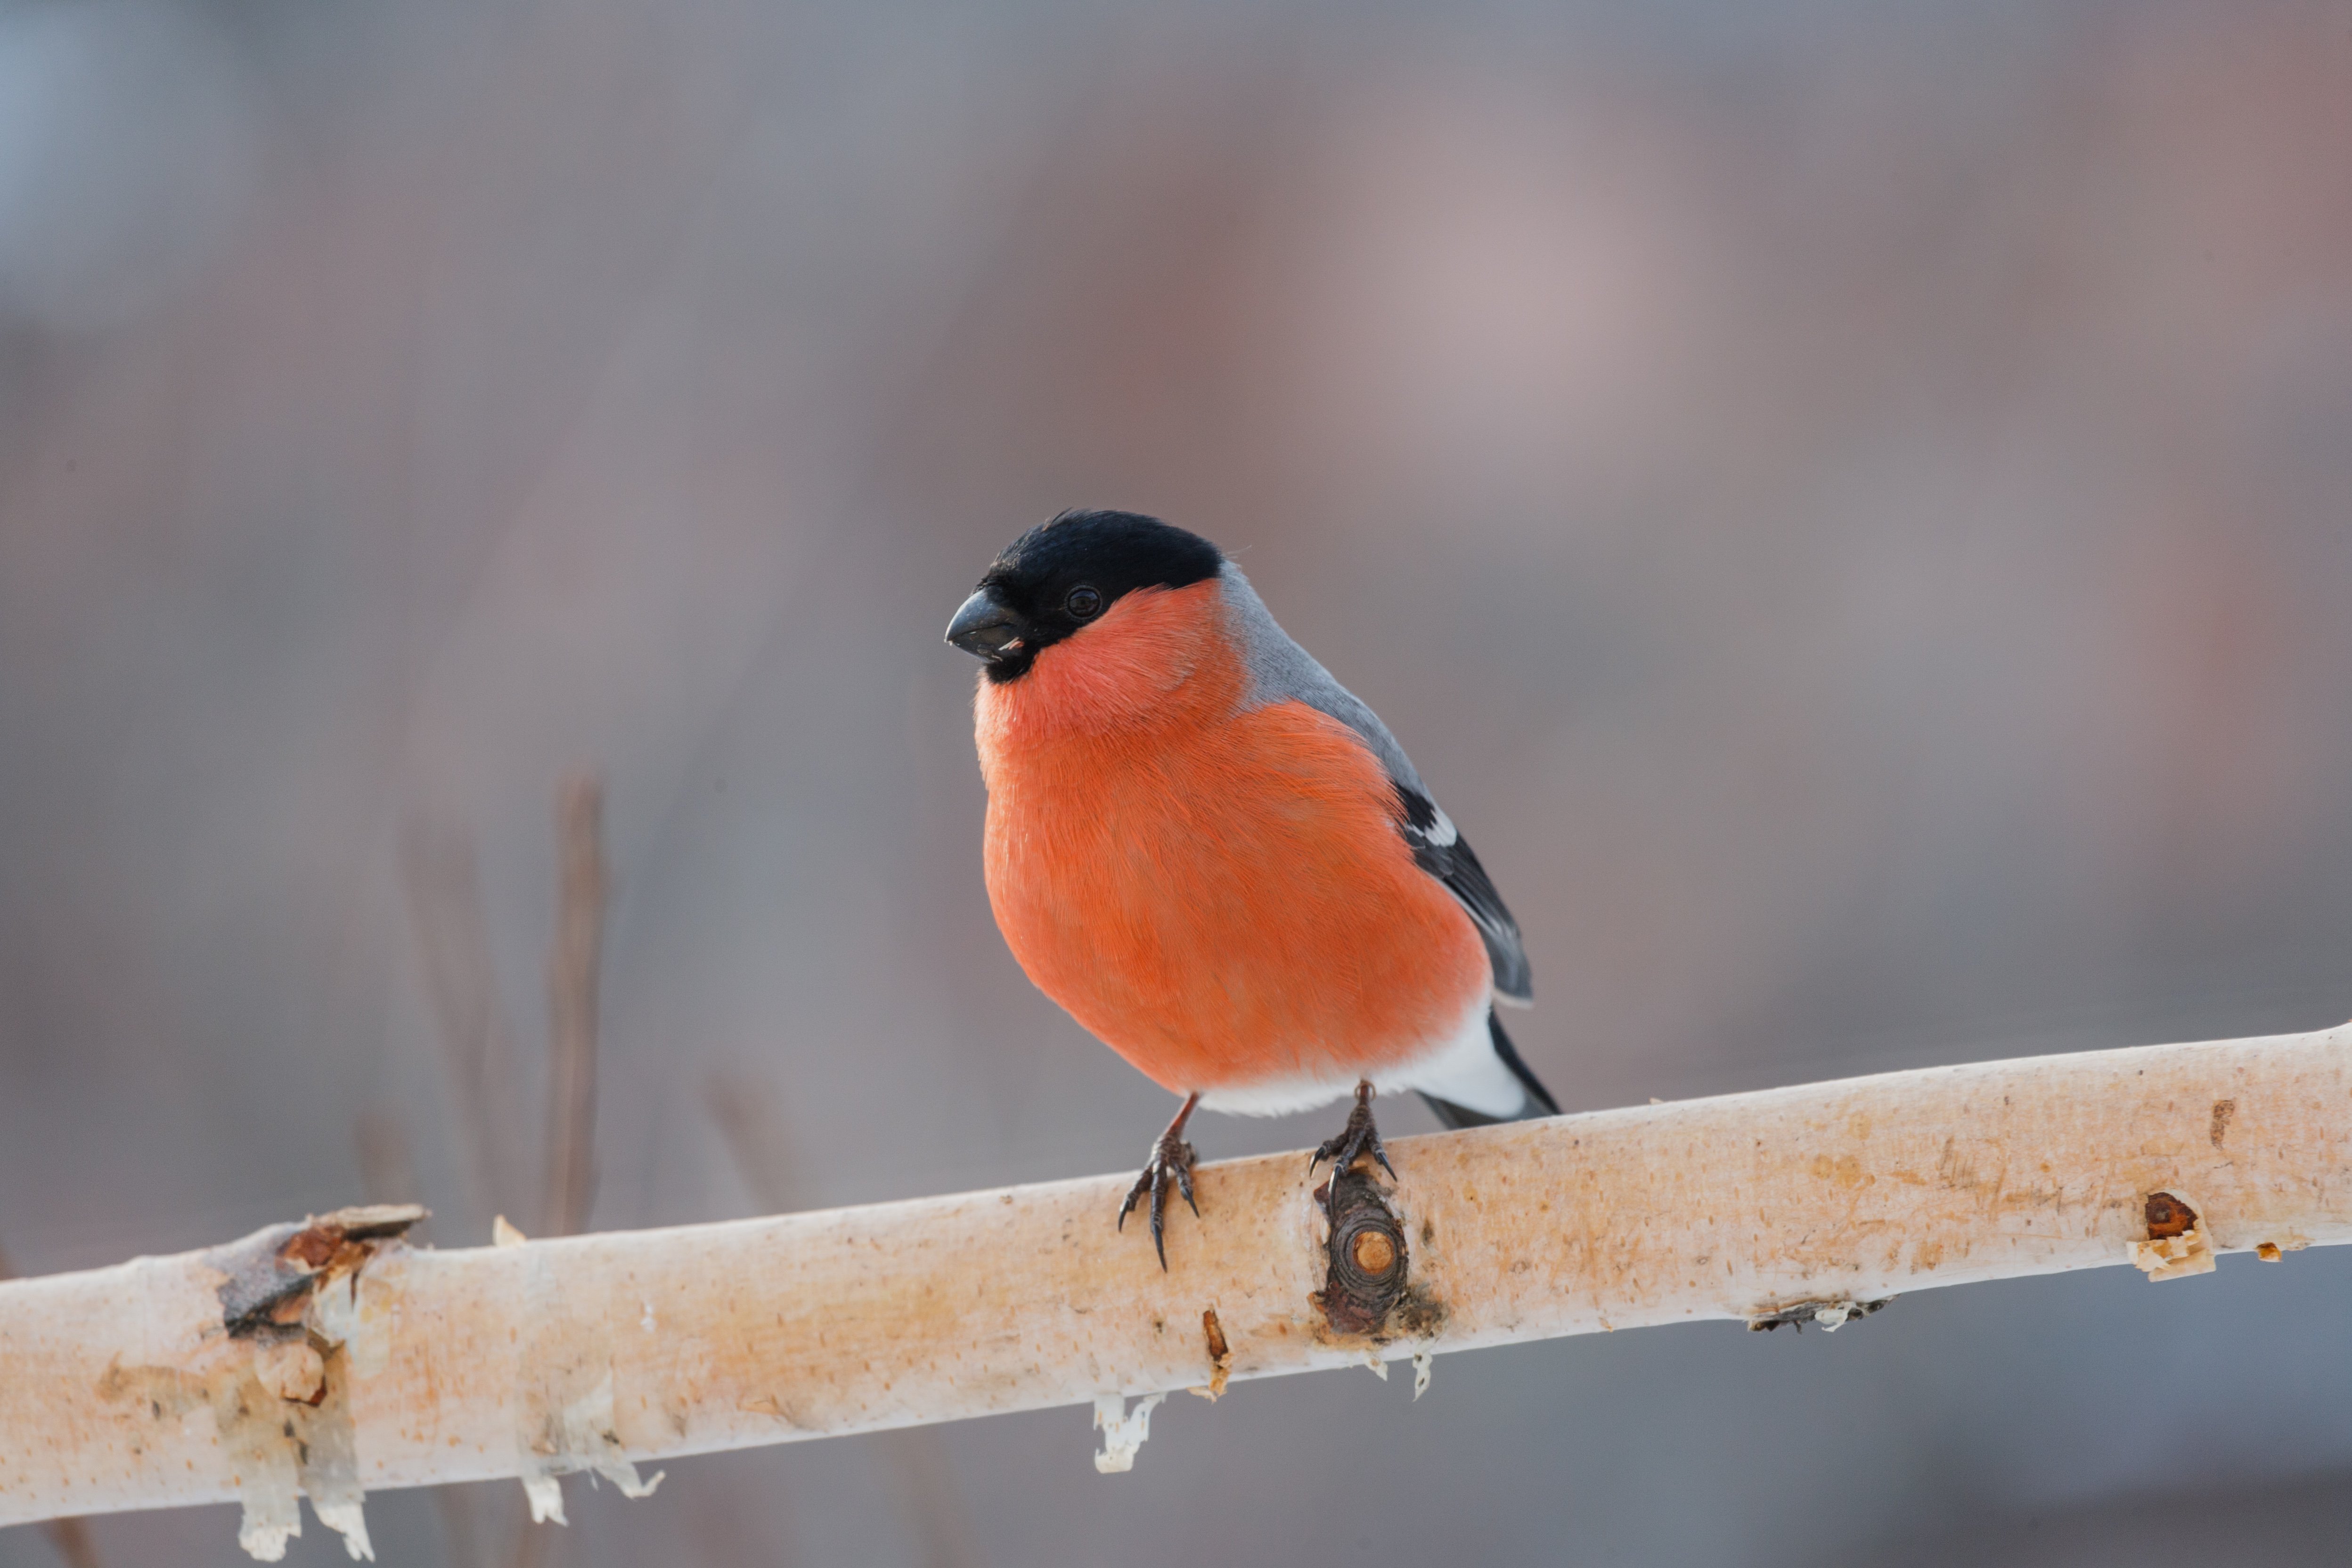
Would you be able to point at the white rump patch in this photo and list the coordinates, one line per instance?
(1465, 1069)
(1462, 1068)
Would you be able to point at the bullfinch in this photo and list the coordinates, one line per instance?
(1217, 858)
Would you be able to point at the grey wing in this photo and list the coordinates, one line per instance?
(1279, 669)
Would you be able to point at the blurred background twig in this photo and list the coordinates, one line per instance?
(445, 904)
(442, 882)
(571, 978)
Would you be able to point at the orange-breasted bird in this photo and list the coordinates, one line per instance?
(1217, 858)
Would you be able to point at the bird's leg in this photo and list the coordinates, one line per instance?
(1171, 1157)
(1359, 1138)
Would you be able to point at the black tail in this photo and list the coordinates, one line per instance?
(1459, 1116)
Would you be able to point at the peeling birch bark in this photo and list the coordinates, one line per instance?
(124, 1387)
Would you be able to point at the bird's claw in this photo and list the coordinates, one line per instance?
(1171, 1156)
(1359, 1138)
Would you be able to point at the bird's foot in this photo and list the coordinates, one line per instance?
(1170, 1163)
(1359, 1138)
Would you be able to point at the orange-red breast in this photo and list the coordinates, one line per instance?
(1216, 858)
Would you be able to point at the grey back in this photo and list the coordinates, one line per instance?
(1281, 670)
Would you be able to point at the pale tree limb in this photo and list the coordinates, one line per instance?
(753, 1126)
(573, 972)
(169, 1381)
(388, 1176)
(69, 1536)
(445, 901)
(443, 883)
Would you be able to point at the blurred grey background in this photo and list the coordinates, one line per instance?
(1847, 502)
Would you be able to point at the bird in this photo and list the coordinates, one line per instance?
(1217, 859)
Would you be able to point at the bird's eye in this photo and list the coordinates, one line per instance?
(1084, 603)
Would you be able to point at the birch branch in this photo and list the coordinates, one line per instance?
(159, 1382)
(388, 1177)
(69, 1536)
(571, 1021)
(752, 1126)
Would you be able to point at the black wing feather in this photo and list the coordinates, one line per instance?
(1444, 854)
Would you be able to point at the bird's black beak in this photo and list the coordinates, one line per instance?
(986, 625)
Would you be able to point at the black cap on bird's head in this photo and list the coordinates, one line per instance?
(1063, 575)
